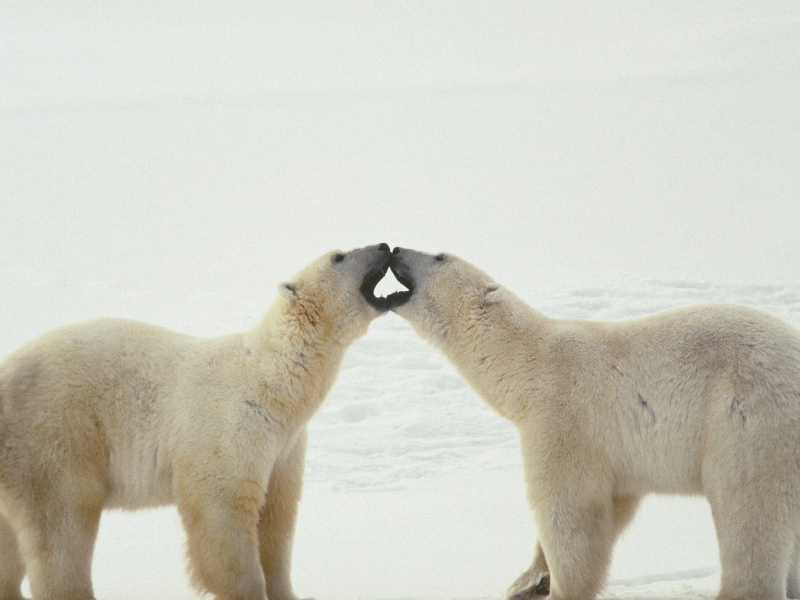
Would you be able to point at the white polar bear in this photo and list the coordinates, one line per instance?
(118, 414)
(698, 400)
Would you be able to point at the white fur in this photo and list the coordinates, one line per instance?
(698, 400)
(121, 414)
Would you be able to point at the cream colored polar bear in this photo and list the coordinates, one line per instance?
(698, 400)
(117, 414)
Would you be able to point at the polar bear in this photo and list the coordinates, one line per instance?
(698, 400)
(118, 414)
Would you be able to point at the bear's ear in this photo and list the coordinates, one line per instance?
(492, 294)
(288, 290)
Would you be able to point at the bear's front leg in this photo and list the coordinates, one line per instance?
(533, 582)
(577, 536)
(222, 539)
(278, 517)
(12, 568)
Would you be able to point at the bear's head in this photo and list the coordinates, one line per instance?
(336, 292)
(443, 290)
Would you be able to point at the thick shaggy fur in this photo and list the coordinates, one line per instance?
(698, 400)
(118, 414)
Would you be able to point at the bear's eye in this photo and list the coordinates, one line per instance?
(338, 257)
(440, 257)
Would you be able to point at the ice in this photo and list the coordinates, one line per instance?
(172, 162)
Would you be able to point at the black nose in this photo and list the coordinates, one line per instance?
(383, 247)
(396, 250)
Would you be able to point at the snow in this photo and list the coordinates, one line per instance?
(172, 162)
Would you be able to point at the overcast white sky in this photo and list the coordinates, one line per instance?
(166, 139)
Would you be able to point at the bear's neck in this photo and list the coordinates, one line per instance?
(298, 360)
(500, 357)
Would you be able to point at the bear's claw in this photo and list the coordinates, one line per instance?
(528, 587)
(543, 587)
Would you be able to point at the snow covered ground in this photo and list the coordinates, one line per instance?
(173, 161)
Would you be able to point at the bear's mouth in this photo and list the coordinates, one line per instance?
(401, 297)
(368, 286)
(381, 303)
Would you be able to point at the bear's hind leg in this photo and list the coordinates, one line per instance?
(755, 548)
(793, 578)
(278, 516)
(57, 545)
(624, 511)
(12, 569)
